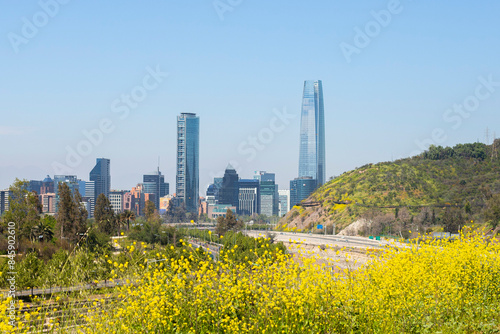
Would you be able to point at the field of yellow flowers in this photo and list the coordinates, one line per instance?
(429, 287)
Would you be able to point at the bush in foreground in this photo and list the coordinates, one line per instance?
(446, 287)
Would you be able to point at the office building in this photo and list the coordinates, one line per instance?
(248, 197)
(71, 181)
(149, 197)
(116, 198)
(210, 190)
(301, 188)
(48, 201)
(35, 186)
(312, 133)
(203, 208)
(264, 176)
(128, 199)
(284, 205)
(217, 187)
(269, 201)
(219, 210)
(86, 205)
(101, 176)
(210, 197)
(89, 196)
(187, 179)
(47, 186)
(137, 201)
(228, 193)
(154, 183)
(87, 192)
(169, 201)
(214, 191)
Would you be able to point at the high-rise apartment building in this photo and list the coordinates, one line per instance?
(312, 133)
(101, 176)
(188, 142)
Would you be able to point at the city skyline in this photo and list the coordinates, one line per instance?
(394, 84)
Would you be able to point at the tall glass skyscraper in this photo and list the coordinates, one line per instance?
(188, 142)
(101, 176)
(312, 133)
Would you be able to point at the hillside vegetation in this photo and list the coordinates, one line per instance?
(458, 180)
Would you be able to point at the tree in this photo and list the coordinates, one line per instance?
(44, 230)
(492, 211)
(228, 223)
(128, 215)
(80, 215)
(176, 214)
(452, 220)
(105, 216)
(57, 269)
(149, 210)
(121, 220)
(148, 231)
(403, 220)
(204, 217)
(71, 215)
(29, 272)
(24, 208)
(98, 242)
(192, 216)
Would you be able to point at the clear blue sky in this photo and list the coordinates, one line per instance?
(233, 72)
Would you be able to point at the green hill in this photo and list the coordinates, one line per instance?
(414, 191)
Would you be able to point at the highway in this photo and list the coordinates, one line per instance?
(319, 239)
(207, 246)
